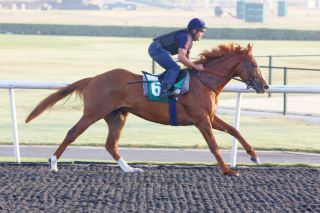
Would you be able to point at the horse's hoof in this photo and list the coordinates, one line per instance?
(255, 160)
(135, 169)
(231, 172)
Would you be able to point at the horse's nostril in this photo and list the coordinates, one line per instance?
(265, 87)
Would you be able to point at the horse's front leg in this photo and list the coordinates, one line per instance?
(223, 126)
(206, 130)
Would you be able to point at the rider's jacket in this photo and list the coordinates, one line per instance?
(175, 40)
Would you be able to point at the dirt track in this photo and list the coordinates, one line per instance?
(92, 187)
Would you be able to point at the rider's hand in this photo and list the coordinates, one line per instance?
(199, 67)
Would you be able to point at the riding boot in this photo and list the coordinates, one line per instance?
(165, 90)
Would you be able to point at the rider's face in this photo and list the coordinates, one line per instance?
(198, 34)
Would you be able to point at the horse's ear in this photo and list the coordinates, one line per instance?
(249, 47)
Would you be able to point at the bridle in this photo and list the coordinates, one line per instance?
(250, 67)
(250, 82)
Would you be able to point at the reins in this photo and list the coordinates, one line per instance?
(250, 83)
(139, 82)
(218, 73)
(225, 76)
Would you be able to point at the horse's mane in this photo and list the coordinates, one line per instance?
(220, 51)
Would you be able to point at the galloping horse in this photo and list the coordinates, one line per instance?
(108, 96)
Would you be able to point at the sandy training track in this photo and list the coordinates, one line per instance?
(94, 187)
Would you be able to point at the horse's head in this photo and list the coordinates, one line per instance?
(230, 61)
(249, 71)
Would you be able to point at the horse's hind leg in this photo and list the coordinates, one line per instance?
(71, 136)
(223, 126)
(116, 121)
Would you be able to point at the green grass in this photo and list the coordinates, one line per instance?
(57, 58)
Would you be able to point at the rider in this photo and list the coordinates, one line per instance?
(177, 42)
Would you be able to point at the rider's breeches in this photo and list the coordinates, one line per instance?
(164, 59)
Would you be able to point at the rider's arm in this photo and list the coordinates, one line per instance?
(188, 55)
(183, 58)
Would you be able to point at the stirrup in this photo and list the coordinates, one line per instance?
(168, 93)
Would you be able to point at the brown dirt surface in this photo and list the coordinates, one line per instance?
(102, 187)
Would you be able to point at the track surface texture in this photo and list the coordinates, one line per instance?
(102, 187)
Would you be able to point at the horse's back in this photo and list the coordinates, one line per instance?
(114, 77)
(113, 84)
(118, 75)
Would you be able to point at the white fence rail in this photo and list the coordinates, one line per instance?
(238, 88)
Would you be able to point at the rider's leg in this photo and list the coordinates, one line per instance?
(164, 59)
(171, 74)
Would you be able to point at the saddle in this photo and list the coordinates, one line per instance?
(152, 86)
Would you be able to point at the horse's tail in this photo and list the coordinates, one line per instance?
(57, 96)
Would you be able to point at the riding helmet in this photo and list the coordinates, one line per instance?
(197, 24)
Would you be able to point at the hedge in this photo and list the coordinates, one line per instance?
(135, 31)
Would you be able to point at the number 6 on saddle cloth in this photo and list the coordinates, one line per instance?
(152, 86)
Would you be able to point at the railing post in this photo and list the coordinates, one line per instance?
(236, 125)
(14, 126)
(153, 67)
(270, 73)
(285, 81)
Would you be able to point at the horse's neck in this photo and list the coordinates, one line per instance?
(219, 75)
(213, 82)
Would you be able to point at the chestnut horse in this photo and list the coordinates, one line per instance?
(108, 96)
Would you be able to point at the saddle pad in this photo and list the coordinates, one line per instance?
(152, 86)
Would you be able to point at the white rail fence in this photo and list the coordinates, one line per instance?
(239, 89)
